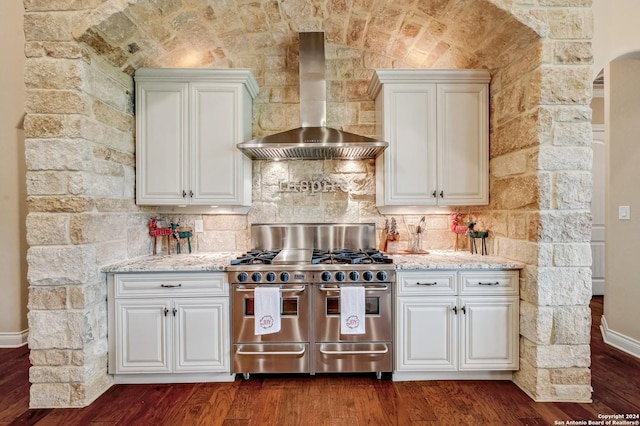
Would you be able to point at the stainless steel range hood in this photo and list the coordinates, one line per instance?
(313, 140)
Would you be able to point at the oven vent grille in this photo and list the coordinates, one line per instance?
(314, 152)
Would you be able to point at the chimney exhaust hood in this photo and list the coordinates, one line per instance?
(313, 140)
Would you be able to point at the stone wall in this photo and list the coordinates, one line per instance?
(79, 129)
(80, 183)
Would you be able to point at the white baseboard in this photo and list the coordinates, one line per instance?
(618, 340)
(14, 340)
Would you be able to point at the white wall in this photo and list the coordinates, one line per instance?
(13, 249)
(616, 35)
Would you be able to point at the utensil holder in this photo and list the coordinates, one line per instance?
(415, 242)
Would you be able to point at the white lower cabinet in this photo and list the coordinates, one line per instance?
(169, 327)
(456, 324)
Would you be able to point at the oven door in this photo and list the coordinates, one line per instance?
(378, 314)
(294, 313)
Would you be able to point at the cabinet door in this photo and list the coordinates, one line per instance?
(201, 334)
(463, 145)
(425, 334)
(161, 142)
(489, 333)
(217, 172)
(141, 336)
(410, 128)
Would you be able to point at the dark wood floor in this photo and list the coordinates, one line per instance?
(331, 400)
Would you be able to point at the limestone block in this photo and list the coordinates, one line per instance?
(48, 395)
(572, 134)
(53, 49)
(47, 229)
(47, 73)
(47, 183)
(561, 227)
(60, 204)
(571, 393)
(47, 298)
(534, 381)
(571, 325)
(55, 329)
(565, 158)
(536, 323)
(570, 23)
(565, 85)
(522, 251)
(83, 394)
(572, 254)
(515, 192)
(570, 376)
(515, 163)
(52, 26)
(564, 286)
(90, 228)
(225, 222)
(113, 251)
(59, 374)
(112, 117)
(570, 113)
(57, 154)
(97, 185)
(56, 102)
(573, 190)
(82, 296)
(216, 241)
(518, 134)
(59, 265)
(49, 357)
(52, 5)
(555, 356)
(578, 52)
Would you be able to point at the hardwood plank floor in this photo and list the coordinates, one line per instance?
(331, 399)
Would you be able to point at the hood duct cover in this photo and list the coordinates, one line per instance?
(313, 140)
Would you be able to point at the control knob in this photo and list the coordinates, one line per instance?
(271, 276)
(256, 277)
(243, 277)
(284, 276)
(367, 275)
(340, 276)
(354, 275)
(381, 276)
(325, 276)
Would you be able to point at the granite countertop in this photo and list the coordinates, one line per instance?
(448, 259)
(193, 262)
(218, 261)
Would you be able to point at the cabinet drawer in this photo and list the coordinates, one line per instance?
(489, 282)
(421, 282)
(173, 284)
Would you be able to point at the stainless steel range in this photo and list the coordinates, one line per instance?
(311, 264)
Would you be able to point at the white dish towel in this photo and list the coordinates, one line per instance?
(266, 310)
(352, 310)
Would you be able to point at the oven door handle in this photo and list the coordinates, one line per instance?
(287, 290)
(241, 352)
(366, 288)
(373, 352)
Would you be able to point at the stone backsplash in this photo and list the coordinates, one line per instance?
(313, 191)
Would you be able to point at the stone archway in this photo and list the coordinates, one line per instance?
(79, 129)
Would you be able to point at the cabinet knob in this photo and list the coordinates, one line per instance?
(464, 309)
(433, 194)
(455, 310)
(184, 193)
(441, 194)
(190, 194)
(166, 311)
(175, 311)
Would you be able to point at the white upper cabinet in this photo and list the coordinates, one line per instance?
(437, 126)
(188, 122)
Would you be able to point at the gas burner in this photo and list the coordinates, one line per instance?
(348, 256)
(256, 257)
